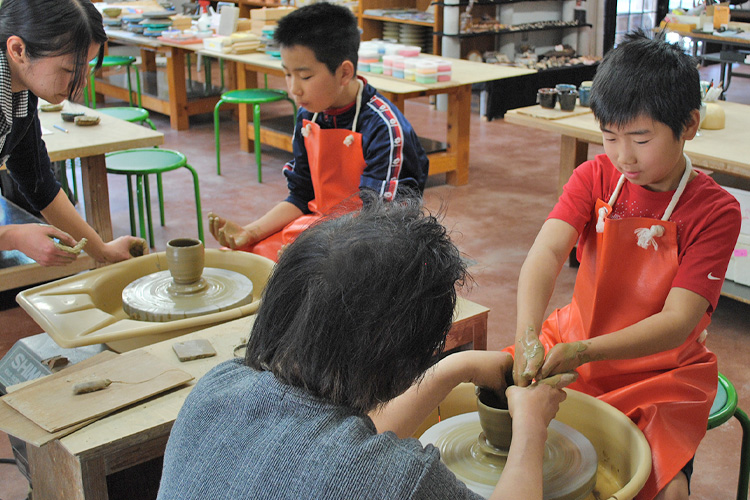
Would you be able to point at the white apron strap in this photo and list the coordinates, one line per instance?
(646, 235)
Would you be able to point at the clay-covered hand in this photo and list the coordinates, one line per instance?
(558, 381)
(566, 357)
(228, 233)
(36, 242)
(536, 405)
(122, 248)
(529, 357)
(489, 369)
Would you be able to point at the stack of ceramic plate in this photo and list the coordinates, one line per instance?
(156, 22)
(410, 34)
(391, 31)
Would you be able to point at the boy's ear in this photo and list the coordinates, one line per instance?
(691, 128)
(346, 72)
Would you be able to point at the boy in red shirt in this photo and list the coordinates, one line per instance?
(654, 241)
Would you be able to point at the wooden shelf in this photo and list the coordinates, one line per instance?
(512, 31)
(398, 20)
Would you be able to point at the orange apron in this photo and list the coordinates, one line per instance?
(336, 164)
(667, 394)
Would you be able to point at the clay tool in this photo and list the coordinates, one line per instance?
(58, 127)
(98, 384)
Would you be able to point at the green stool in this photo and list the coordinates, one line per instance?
(140, 163)
(256, 97)
(723, 408)
(130, 113)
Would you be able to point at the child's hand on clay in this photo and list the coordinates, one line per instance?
(566, 357)
(528, 359)
(228, 233)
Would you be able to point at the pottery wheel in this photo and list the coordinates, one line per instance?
(155, 297)
(570, 461)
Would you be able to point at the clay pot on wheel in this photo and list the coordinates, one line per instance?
(494, 417)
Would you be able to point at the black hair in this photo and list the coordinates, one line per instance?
(329, 30)
(650, 77)
(52, 28)
(359, 304)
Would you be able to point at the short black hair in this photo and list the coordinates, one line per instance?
(358, 305)
(329, 30)
(52, 28)
(650, 77)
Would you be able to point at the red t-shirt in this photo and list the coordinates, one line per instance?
(708, 220)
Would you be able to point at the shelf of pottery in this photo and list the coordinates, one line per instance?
(407, 22)
(467, 28)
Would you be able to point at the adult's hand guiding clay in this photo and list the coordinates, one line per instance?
(529, 357)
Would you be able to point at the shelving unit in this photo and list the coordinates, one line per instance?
(372, 25)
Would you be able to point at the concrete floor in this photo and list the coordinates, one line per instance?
(493, 219)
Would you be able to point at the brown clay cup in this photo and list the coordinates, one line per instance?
(185, 260)
(494, 418)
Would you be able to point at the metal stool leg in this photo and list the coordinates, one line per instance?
(160, 190)
(149, 221)
(131, 206)
(198, 209)
(139, 194)
(130, 86)
(256, 129)
(92, 90)
(742, 483)
(216, 136)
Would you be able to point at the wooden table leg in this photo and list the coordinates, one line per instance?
(178, 113)
(573, 152)
(96, 195)
(56, 474)
(459, 133)
(148, 60)
(246, 79)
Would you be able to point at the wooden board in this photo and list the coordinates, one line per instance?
(135, 376)
(552, 114)
(15, 424)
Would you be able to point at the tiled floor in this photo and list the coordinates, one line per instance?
(494, 219)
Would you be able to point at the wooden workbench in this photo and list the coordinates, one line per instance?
(454, 161)
(90, 144)
(724, 151)
(76, 467)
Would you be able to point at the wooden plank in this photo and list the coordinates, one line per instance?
(135, 376)
(15, 424)
(552, 114)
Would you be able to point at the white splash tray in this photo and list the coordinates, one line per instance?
(87, 308)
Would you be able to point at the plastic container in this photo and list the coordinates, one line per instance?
(409, 51)
(376, 67)
(392, 49)
(410, 68)
(368, 55)
(393, 65)
(445, 70)
(361, 66)
(426, 72)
